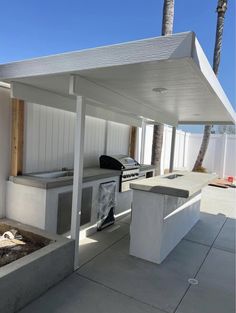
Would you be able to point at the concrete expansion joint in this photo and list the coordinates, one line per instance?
(196, 242)
(122, 293)
(193, 285)
(101, 252)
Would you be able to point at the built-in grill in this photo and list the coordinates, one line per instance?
(128, 166)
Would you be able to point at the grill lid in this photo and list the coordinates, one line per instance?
(118, 162)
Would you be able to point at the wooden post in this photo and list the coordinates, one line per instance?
(17, 137)
(132, 144)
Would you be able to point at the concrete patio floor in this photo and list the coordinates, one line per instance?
(110, 280)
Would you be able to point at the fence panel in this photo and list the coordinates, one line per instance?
(220, 156)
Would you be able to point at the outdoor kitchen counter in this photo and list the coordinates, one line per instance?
(146, 167)
(182, 186)
(163, 212)
(89, 174)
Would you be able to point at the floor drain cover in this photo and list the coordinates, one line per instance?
(193, 281)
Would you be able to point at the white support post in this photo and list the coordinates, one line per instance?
(78, 175)
(224, 151)
(143, 139)
(106, 137)
(172, 151)
(184, 150)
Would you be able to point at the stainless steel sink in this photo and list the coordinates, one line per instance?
(173, 176)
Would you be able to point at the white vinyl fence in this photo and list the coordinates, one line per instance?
(220, 157)
(49, 139)
(49, 143)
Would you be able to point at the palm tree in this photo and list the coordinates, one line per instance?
(221, 9)
(158, 130)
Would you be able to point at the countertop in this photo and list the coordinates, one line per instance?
(183, 186)
(89, 174)
(146, 167)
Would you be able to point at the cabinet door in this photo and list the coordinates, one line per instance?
(65, 207)
(64, 212)
(86, 209)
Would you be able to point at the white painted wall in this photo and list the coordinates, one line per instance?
(5, 129)
(220, 156)
(49, 139)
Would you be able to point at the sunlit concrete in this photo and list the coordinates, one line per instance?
(110, 280)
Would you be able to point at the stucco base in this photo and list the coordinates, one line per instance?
(27, 278)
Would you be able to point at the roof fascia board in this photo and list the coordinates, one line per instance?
(205, 123)
(200, 62)
(113, 100)
(147, 50)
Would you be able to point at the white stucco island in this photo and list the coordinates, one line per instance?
(164, 210)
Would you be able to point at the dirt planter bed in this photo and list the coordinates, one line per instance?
(26, 278)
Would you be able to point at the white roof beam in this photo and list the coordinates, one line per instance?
(113, 100)
(41, 96)
(95, 111)
(44, 97)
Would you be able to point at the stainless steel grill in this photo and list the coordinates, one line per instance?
(128, 166)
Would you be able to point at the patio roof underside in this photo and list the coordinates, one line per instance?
(120, 79)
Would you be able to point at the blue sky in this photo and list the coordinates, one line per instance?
(37, 28)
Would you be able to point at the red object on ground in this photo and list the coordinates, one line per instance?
(230, 179)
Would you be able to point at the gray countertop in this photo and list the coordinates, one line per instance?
(183, 186)
(145, 167)
(89, 174)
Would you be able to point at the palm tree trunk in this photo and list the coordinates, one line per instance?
(168, 17)
(203, 148)
(158, 130)
(157, 143)
(221, 9)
